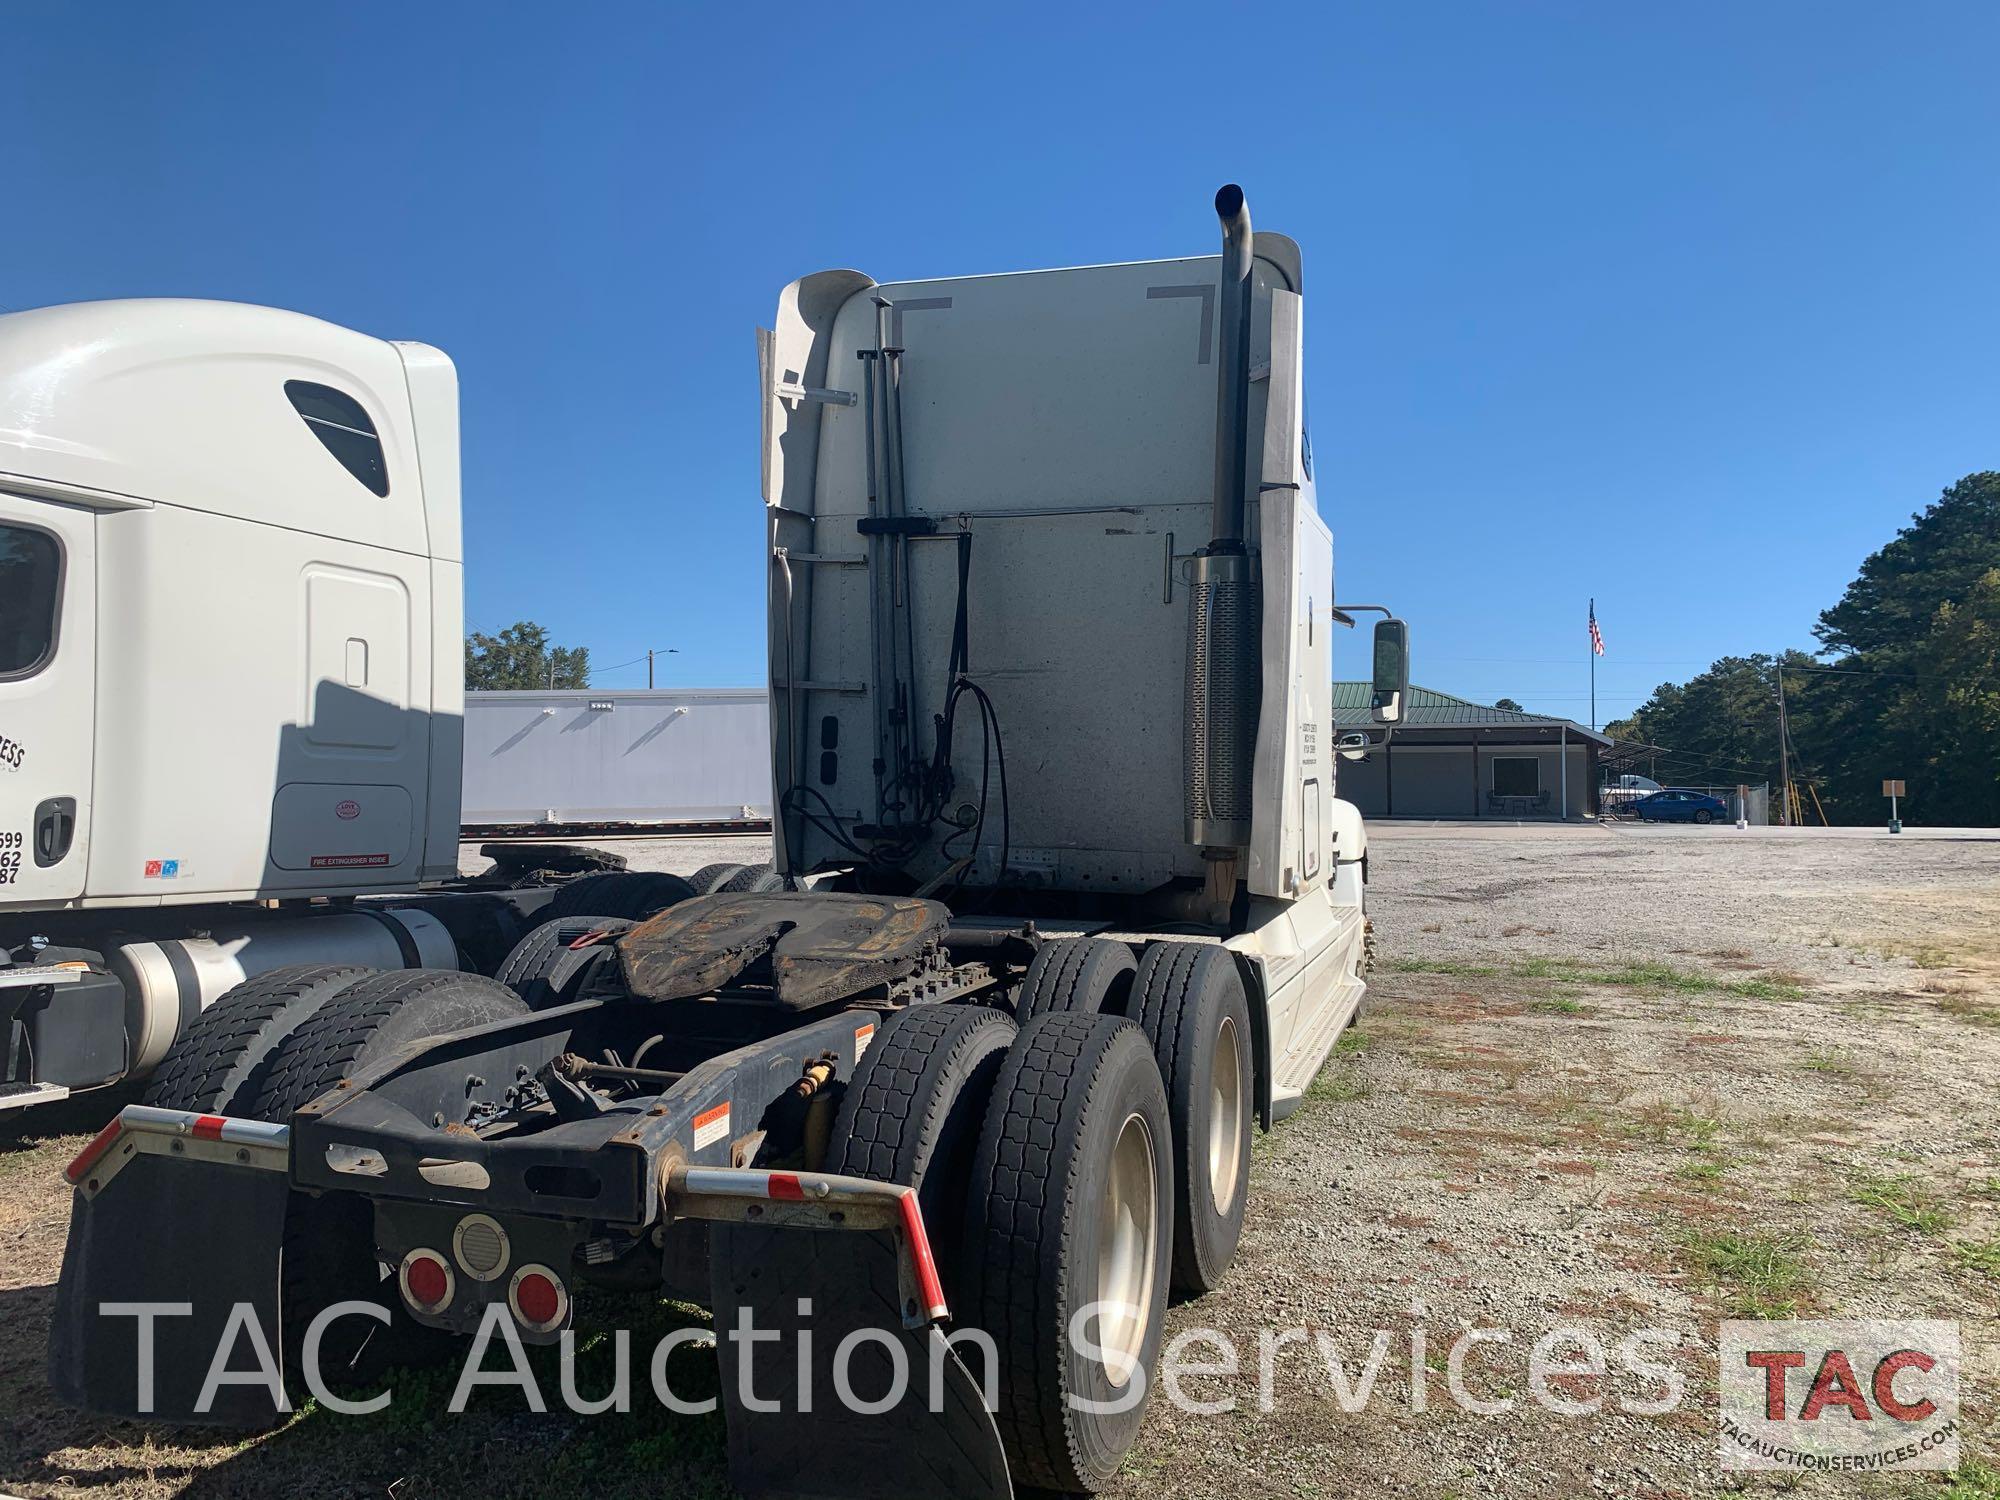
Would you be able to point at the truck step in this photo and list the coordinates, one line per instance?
(1301, 1063)
(21, 1095)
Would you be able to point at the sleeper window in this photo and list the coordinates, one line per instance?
(30, 590)
(338, 421)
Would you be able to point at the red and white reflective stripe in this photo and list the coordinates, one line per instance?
(90, 1155)
(928, 1285)
(816, 1188)
(151, 1129)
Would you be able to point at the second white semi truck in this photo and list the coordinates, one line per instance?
(1068, 905)
(231, 714)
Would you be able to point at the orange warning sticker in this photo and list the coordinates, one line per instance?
(710, 1126)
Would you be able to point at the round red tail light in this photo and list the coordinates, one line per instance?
(538, 1298)
(427, 1280)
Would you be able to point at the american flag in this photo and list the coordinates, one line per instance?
(1596, 635)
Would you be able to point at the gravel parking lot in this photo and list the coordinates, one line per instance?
(1616, 1078)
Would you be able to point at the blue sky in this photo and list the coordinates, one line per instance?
(1684, 306)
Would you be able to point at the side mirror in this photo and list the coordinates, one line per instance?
(1392, 671)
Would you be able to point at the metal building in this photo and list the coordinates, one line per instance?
(648, 757)
(1451, 758)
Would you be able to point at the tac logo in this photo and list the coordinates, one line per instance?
(1855, 1395)
(347, 811)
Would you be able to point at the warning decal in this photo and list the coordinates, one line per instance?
(863, 1035)
(710, 1126)
(347, 861)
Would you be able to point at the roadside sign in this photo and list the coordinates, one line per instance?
(1893, 789)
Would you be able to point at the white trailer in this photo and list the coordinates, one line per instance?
(230, 646)
(617, 761)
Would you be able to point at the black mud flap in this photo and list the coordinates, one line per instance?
(192, 1240)
(939, 1439)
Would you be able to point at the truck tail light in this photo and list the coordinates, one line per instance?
(427, 1281)
(537, 1299)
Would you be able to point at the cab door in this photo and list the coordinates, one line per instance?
(48, 627)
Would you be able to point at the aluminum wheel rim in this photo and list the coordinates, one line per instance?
(1127, 1261)
(1225, 1118)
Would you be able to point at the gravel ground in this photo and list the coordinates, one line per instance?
(1616, 1078)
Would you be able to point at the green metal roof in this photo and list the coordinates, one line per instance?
(1430, 709)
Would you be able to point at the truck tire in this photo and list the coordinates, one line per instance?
(329, 1248)
(574, 966)
(372, 1019)
(216, 1066)
(529, 970)
(1071, 1204)
(623, 893)
(1189, 1000)
(708, 877)
(913, 1110)
(1087, 974)
(754, 879)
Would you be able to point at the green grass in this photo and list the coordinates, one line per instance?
(1634, 974)
(1972, 1481)
(1906, 1202)
(1704, 1169)
(1352, 1040)
(1981, 1257)
(1754, 1275)
(1338, 1086)
(1763, 989)
(1828, 1062)
(1559, 1005)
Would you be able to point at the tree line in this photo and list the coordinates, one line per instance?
(521, 657)
(1904, 684)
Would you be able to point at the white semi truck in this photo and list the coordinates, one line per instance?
(231, 706)
(230, 604)
(1068, 905)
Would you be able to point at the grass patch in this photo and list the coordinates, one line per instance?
(1834, 1063)
(1982, 1257)
(1970, 1011)
(1441, 966)
(1560, 1005)
(1351, 1041)
(1340, 1087)
(1645, 974)
(1709, 1169)
(1764, 988)
(1973, 1481)
(1754, 1275)
(1907, 1202)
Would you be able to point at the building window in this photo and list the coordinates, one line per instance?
(1517, 776)
(338, 421)
(30, 591)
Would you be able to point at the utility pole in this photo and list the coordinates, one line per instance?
(1784, 757)
(649, 667)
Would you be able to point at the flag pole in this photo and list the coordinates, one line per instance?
(1591, 647)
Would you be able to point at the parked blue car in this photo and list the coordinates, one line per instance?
(1672, 806)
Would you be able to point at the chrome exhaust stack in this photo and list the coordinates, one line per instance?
(1224, 614)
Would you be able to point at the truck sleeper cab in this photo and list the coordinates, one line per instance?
(230, 624)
